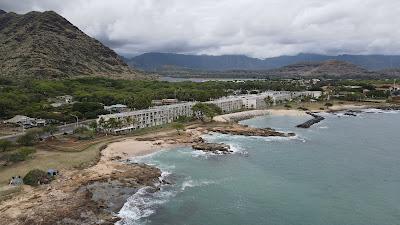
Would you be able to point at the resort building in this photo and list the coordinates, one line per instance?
(124, 122)
(228, 104)
(129, 121)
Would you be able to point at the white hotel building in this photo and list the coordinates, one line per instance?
(156, 116)
(160, 115)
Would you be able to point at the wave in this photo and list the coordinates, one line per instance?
(193, 183)
(143, 204)
(373, 110)
(147, 200)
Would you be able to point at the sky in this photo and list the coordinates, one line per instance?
(256, 28)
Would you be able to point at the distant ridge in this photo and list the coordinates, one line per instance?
(44, 45)
(158, 61)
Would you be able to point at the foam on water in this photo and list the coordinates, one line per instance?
(143, 204)
(189, 183)
(146, 200)
(373, 110)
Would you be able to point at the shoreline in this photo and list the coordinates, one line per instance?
(76, 188)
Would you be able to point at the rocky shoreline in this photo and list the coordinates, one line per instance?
(92, 196)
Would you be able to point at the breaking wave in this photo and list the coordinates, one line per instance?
(147, 200)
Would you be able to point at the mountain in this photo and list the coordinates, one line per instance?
(157, 61)
(329, 68)
(44, 45)
(332, 69)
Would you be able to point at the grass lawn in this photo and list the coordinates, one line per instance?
(67, 155)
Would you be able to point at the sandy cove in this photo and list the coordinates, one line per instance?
(232, 117)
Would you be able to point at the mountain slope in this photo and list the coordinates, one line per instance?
(45, 45)
(157, 61)
(329, 68)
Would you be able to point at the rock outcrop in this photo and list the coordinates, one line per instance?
(213, 147)
(91, 197)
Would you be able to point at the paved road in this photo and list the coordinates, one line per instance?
(68, 128)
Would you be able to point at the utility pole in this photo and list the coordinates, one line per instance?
(77, 120)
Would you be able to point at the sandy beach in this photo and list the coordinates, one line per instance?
(131, 147)
(253, 113)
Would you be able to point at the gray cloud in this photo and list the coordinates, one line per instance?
(259, 28)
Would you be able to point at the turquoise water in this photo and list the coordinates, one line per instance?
(343, 171)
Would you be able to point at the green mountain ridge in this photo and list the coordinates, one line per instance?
(44, 45)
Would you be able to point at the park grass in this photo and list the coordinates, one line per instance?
(81, 154)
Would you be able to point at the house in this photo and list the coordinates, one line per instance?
(20, 119)
(52, 172)
(117, 108)
(167, 101)
(61, 100)
(156, 102)
(26, 121)
(65, 98)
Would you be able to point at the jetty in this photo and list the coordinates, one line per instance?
(316, 119)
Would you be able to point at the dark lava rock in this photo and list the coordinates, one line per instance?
(213, 147)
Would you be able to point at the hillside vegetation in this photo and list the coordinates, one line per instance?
(47, 46)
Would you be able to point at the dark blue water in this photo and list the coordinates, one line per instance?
(343, 171)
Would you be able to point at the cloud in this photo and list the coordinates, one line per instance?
(258, 28)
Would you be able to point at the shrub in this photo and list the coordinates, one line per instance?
(303, 108)
(21, 154)
(288, 106)
(36, 177)
(30, 138)
(5, 145)
(84, 133)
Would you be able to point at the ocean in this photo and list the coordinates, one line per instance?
(342, 171)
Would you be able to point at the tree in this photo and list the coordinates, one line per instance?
(328, 104)
(5, 145)
(203, 111)
(51, 129)
(178, 127)
(36, 177)
(93, 125)
(30, 138)
(269, 101)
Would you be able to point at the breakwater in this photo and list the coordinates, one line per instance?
(316, 119)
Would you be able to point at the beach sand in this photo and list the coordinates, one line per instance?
(253, 113)
(131, 147)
